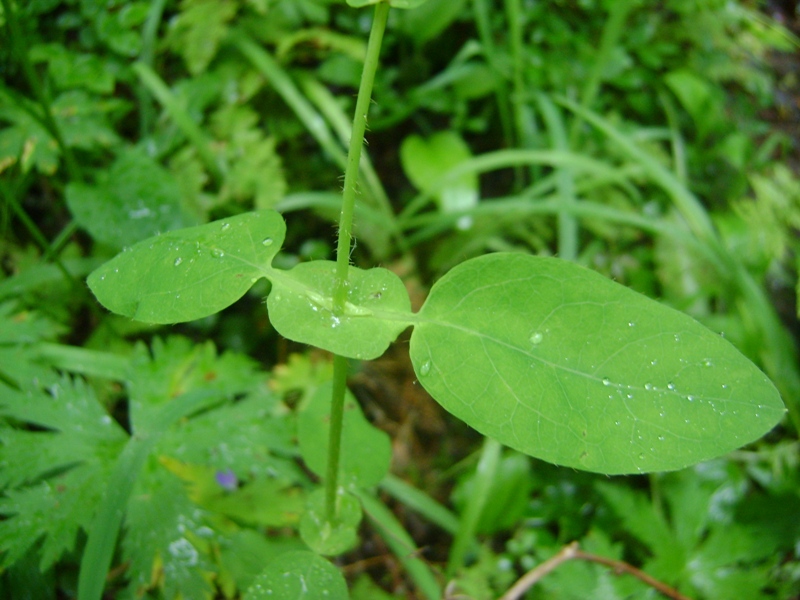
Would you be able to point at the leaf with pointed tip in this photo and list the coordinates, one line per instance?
(377, 309)
(190, 273)
(565, 365)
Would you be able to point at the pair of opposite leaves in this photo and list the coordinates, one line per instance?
(547, 357)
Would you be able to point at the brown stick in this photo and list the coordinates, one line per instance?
(572, 552)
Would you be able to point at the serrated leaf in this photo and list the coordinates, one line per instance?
(190, 273)
(137, 199)
(82, 443)
(167, 537)
(298, 575)
(565, 365)
(377, 309)
(357, 467)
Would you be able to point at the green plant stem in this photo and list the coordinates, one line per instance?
(343, 247)
(484, 476)
(354, 156)
(335, 434)
(149, 31)
(190, 129)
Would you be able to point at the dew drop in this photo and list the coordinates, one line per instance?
(617, 422)
(425, 368)
(226, 226)
(648, 386)
(690, 398)
(217, 253)
(536, 338)
(641, 456)
(707, 363)
(671, 386)
(178, 261)
(631, 324)
(268, 241)
(606, 381)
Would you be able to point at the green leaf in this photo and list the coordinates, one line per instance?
(565, 365)
(190, 273)
(377, 309)
(330, 536)
(136, 200)
(392, 3)
(53, 480)
(297, 575)
(425, 161)
(358, 468)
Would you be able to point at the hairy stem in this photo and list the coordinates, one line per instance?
(354, 156)
(343, 247)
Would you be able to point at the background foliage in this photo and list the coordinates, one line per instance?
(642, 140)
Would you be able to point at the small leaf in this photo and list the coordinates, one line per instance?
(330, 536)
(377, 310)
(565, 365)
(426, 160)
(190, 273)
(359, 468)
(297, 575)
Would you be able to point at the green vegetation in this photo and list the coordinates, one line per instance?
(183, 159)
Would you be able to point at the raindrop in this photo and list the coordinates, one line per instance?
(226, 226)
(671, 386)
(178, 261)
(102, 277)
(641, 456)
(268, 241)
(425, 368)
(648, 386)
(217, 253)
(617, 422)
(630, 396)
(690, 398)
(536, 338)
(707, 362)
(724, 386)
(606, 381)
(631, 324)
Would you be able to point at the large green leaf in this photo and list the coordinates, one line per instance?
(358, 468)
(377, 309)
(190, 273)
(565, 365)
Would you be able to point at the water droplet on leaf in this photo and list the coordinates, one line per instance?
(226, 226)
(425, 368)
(178, 261)
(606, 381)
(267, 241)
(536, 338)
(217, 253)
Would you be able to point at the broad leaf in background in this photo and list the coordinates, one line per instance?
(565, 365)
(426, 160)
(301, 308)
(136, 199)
(299, 575)
(358, 468)
(190, 273)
